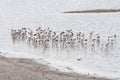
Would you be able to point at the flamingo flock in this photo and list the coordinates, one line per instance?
(47, 38)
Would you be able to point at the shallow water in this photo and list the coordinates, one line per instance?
(96, 64)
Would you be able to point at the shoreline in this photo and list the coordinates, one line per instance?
(27, 69)
(94, 11)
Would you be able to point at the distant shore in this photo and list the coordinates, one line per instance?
(94, 11)
(27, 69)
